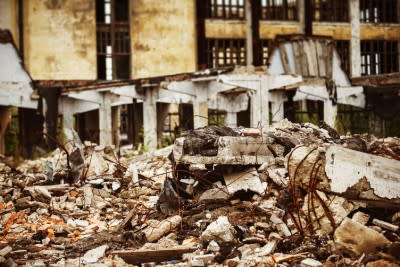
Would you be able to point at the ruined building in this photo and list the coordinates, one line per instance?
(130, 71)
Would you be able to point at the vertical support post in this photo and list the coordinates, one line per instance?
(259, 110)
(5, 118)
(355, 46)
(68, 123)
(105, 120)
(116, 125)
(249, 34)
(330, 113)
(301, 15)
(200, 114)
(150, 120)
(277, 106)
(231, 119)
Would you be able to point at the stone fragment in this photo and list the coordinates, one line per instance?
(218, 193)
(356, 238)
(156, 230)
(93, 255)
(360, 217)
(310, 263)
(213, 246)
(385, 225)
(381, 263)
(247, 180)
(219, 230)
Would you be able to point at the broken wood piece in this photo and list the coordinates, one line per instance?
(385, 225)
(159, 255)
(127, 219)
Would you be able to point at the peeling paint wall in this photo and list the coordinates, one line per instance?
(60, 39)
(163, 37)
(9, 18)
(235, 29)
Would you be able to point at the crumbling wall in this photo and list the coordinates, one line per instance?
(9, 17)
(162, 37)
(60, 39)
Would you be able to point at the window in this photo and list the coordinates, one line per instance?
(226, 9)
(331, 10)
(379, 57)
(265, 51)
(216, 117)
(375, 11)
(279, 9)
(343, 49)
(113, 39)
(225, 52)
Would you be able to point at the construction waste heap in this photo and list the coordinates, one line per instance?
(293, 195)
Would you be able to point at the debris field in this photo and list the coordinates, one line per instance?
(294, 195)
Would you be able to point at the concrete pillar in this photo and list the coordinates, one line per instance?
(116, 125)
(355, 46)
(231, 119)
(300, 15)
(150, 120)
(200, 114)
(277, 105)
(330, 113)
(68, 124)
(105, 120)
(5, 118)
(162, 113)
(249, 34)
(259, 110)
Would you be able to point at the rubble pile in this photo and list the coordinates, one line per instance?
(297, 194)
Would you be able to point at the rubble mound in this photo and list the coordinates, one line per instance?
(293, 195)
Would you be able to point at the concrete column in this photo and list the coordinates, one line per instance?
(277, 105)
(259, 110)
(200, 114)
(116, 125)
(105, 120)
(231, 119)
(249, 34)
(355, 46)
(150, 120)
(68, 124)
(330, 113)
(300, 15)
(5, 118)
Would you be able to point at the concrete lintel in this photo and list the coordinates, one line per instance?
(88, 96)
(351, 95)
(17, 94)
(127, 90)
(168, 96)
(229, 103)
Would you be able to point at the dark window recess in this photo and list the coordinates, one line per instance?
(113, 39)
(264, 51)
(343, 49)
(216, 117)
(376, 11)
(378, 56)
(225, 9)
(331, 10)
(225, 52)
(279, 9)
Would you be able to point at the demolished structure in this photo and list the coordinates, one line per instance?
(291, 195)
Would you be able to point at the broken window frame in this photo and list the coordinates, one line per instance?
(379, 56)
(331, 11)
(225, 52)
(378, 11)
(279, 10)
(113, 41)
(226, 9)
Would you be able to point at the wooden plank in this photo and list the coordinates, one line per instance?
(160, 255)
(297, 58)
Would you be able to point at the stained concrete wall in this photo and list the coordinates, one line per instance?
(9, 17)
(163, 37)
(60, 39)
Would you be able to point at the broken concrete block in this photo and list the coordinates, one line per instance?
(247, 180)
(280, 225)
(337, 208)
(93, 255)
(207, 147)
(355, 238)
(156, 230)
(218, 193)
(310, 263)
(219, 230)
(361, 217)
(213, 246)
(350, 173)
